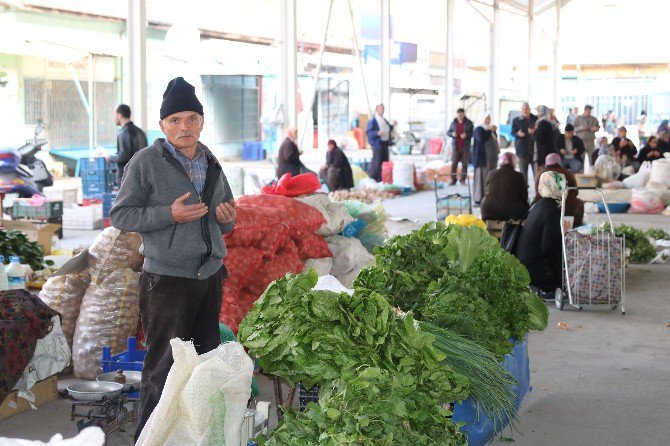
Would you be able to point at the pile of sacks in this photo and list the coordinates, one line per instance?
(651, 187)
(273, 236)
(98, 299)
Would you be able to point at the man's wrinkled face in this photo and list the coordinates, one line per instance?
(587, 112)
(182, 129)
(569, 135)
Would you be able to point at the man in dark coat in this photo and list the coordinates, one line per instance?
(625, 149)
(337, 171)
(523, 128)
(571, 148)
(130, 140)
(460, 131)
(545, 136)
(378, 132)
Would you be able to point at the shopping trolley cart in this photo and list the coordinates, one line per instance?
(451, 198)
(593, 265)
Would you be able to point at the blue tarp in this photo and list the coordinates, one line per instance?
(479, 428)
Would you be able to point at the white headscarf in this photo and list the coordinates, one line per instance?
(481, 122)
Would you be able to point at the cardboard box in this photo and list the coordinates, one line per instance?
(40, 233)
(586, 181)
(44, 391)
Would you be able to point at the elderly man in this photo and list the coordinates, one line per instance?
(460, 131)
(379, 132)
(523, 128)
(586, 127)
(176, 196)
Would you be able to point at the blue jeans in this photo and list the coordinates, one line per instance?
(573, 164)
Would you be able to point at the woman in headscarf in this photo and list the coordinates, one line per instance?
(540, 246)
(506, 195)
(288, 158)
(545, 136)
(337, 170)
(574, 207)
(484, 154)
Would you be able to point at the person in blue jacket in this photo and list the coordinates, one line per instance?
(379, 136)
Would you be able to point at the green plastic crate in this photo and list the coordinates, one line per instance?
(50, 209)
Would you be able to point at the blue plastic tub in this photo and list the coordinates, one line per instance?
(615, 208)
(253, 151)
(481, 429)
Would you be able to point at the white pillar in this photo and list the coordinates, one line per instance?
(136, 27)
(91, 109)
(493, 96)
(449, 68)
(531, 51)
(288, 78)
(385, 55)
(558, 66)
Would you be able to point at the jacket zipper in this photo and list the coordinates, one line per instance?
(181, 169)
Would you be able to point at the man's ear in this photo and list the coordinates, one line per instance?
(202, 122)
(160, 123)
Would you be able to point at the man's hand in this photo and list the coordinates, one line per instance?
(225, 212)
(574, 151)
(463, 136)
(531, 130)
(562, 151)
(623, 143)
(594, 128)
(520, 134)
(186, 213)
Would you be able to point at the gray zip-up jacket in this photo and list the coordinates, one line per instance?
(153, 180)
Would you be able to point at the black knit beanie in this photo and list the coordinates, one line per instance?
(179, 96)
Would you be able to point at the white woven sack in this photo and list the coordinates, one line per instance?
(204, 399)
(660, 172)
(403, 174)
(335, 213)
(349, 258)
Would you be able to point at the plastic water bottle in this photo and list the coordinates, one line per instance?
(16, 275)
(3, 275)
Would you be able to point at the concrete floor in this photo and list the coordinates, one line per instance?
(604, 381)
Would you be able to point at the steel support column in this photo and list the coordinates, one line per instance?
(385, 55)
(531, 52)
(558, 68)
(493, 96)
(449, 68)
(136, 27)
(288, 78)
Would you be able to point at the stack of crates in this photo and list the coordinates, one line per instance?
(50, 209)
(108, 199)
(97, 177)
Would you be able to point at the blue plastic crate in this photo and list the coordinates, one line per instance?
(253, 151)
(132, 359)
(92, 164)
(95, 188)
(108, 199)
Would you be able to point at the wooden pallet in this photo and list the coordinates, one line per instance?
(44, 392)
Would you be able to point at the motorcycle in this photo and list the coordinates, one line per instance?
(22, 174)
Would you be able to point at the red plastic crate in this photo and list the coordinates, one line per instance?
(91, 201)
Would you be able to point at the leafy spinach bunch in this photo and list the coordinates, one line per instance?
(15, 243)
(370, 406)
(458, 278)
(641, 249)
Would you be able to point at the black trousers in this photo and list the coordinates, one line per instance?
(174, 307)
(379, 156)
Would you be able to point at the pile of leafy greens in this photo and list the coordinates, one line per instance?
(458, 278)
(16, 243)
(382, 381)
(637, 243)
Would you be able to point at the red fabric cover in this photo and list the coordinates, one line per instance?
(387, 172)
(435, 145)
(312, 246)
(294, 186)
(253, 227)
(242, 263)
(300, 218)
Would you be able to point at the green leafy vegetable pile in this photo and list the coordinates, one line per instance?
(658, 234)
(458, 278)
(15, 243)
(637, 242)
(382, 380)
